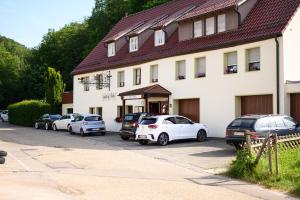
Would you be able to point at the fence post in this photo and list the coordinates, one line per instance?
(248, 141)
(276, 154)
(269, 153)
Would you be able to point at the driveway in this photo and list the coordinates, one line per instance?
(55, 165)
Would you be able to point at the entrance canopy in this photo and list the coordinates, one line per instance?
(145, 93)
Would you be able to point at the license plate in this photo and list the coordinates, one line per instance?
(95, 129)
(142, 136)
(239, 133)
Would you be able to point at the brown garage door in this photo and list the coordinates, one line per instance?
(190, 108)
(295, 106)
(258, 104)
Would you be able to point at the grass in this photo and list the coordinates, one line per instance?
(289, 170)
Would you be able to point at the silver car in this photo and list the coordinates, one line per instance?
(85, 124)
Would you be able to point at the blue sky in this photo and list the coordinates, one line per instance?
(26, 21)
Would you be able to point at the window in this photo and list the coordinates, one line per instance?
(200, 67)
(138, 109)
(210, 25)
(92, 110)
(289, 122)
(137, 76)
(231, 63)
(133, 46)
(159, 38)
(253, 59)
(69, 110)
(221, 23)
(111, 49)
(180, 70)
(154, 73)
(129, 110)
(99, 81)
(121, 77)
(181, 120)
(99, 111)
(120, 111)
(86, 86)
(170, 120)
(198, 28)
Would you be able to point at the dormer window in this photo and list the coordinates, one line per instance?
(198, 28)
(210, 25)
(159, 38)
(133, 44)
(111, 49)
(221, 23)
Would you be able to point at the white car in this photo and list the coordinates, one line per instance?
(64, 122)
(85, 124)
(4, 116)
(165, 128)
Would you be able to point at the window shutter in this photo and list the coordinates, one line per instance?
(210, 26)
(198, 28)
(253, 55)
(181, 68)
(231, 59)
(155, 72)
(221, 23)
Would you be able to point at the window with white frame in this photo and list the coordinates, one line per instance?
(221, 23)
(154, 73)
(99, 81)
(133, 44)
(200, 67)
(198, 28)
(111, 49)
(92, 110)
(180, 70)
(86, 85)
(99, 111)
(253, 59)
(231, 66)
(121, 77)
(210, 25)
(159, 37)
(137, 76)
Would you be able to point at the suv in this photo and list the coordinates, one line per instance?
(258, 126)
(130, 124)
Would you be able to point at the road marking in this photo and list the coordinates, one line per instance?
(20, 162)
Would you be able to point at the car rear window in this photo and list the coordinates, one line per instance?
(243, 123)
(129, 118)
(147, 121)
(93, 118)
(55, 117)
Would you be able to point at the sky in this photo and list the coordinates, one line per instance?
(26, 21)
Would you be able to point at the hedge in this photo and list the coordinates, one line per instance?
(25, 113)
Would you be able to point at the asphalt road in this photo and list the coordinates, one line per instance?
(55, 165)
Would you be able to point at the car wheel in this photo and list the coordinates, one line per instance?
(103, 133)
(54, 127)
(82, 132)
(238, 146)
(3, 153)
(163, 139)
(47, 126)
(36, 125)
(70, 130)
(143, 142)
(2, 160)
(125, 137)
(201, 136)
(2, 120)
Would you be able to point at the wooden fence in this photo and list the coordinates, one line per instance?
(270, 144)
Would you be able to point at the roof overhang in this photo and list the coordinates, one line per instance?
(145, 92)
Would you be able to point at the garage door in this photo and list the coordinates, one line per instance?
(258, 104)
(295, 106)
(190, 108)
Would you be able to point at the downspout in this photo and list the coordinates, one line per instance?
(277, 74)
(236, 9)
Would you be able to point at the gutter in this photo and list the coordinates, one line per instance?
(277, 73)
(236, 9)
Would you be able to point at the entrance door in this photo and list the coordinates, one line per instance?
(258, 104)
(154, 107)
(295, 106)
(190, 108)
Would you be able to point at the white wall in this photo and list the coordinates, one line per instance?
(216, 91)
(65, 107)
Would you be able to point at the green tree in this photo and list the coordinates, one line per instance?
(152, 3)
(54, 86)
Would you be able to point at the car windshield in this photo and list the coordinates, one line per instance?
(147, 121)
(93, 118)
(243, 123)
(55, 117)
(130, 118)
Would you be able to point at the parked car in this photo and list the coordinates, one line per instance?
(130, 124)
(64, 122)
(4, 116)
(85, 124)
(165, 128)
(258, 126)
(46, 121)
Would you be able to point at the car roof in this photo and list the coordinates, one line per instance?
(258, 116)
(91, 115)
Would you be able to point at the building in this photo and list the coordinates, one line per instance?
(210, 60)
(67, 103)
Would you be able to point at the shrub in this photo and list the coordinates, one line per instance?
(25, 113)
(242, 166)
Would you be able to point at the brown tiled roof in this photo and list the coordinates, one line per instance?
(267, 19)
(150, 90)
(67, 97)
